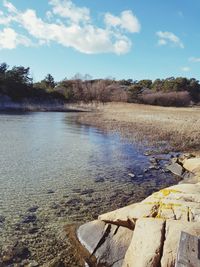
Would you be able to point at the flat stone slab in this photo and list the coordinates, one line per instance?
(108, 243)
(146, 245)
(176, 169)
(173, 233)
(90, 233)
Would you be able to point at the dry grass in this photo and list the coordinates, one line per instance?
(175, 128)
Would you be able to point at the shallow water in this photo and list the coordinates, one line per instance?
(47, 159)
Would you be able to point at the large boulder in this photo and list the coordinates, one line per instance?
(108, 243)
(145, 234)
(172, 238)
(146, 245)
(90, 233)
(192, 165)
(128, 213)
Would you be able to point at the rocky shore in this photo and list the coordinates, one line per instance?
(147, 234)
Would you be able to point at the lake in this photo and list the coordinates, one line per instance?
(64, 172)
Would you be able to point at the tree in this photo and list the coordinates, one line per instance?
(49, 81)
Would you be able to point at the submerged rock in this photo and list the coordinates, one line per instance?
(132, 175)
(87, 191)
(33, 209)
(50, 191)
(2, 219)
(99, 180)
(29, 218)
(73, 201)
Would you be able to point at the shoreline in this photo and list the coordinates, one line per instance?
(96, 111)
(167, 128)
(146, 233)
(108, 120)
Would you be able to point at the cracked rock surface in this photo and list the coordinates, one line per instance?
(146, 234)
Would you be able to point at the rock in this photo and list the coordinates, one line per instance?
(33, 264)
(50, 191)
(33, 209)
(17, 252)
(192, 165)
(107, 242)
(88, 240)
(33, 230)
(173, 233)
(188, 176)
(54, 206)
(87, 191)
(29, 218)
(2, 219)
(153, 160)
(99, 180)
(176, 169)
(154, 167)
(174, 160)
(76, 190)
(132, 175)
(113, 249)
(7, 258)
(146, 245)
(128, 213)
(21, 251)
(73, 201)
(56, 262)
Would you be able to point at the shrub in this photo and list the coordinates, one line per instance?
(167, 99)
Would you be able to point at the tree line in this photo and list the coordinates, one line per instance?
(17, 83)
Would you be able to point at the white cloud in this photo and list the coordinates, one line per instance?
(194, 59)
(66, 9)
(71, 26)
(185, 69)
(162, 42)
(10, 7)
(126, 21)
(169, 38)
(9, 39)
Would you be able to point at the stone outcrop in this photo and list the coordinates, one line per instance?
(146, 234)
(146, 245)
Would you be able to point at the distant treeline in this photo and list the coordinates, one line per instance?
(17, 83)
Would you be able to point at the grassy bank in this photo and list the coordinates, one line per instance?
(166, 127)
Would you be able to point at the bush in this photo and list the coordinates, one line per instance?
(167, 99)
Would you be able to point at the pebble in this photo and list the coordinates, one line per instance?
(50, 191)
(33, 209)
(87, 191)
(33, 230)
(76, 190)
(99, 180)
(54, 206)
(29, 218)
(132, 175)
(2, 219)
(73, 201)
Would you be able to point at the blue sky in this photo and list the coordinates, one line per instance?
(123, 39)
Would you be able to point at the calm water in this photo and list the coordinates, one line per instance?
(81, 166)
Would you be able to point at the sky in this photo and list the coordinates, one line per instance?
(122, 39)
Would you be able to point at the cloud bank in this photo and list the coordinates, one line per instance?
(68, 25)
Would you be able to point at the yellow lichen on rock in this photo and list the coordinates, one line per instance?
(168, 191)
